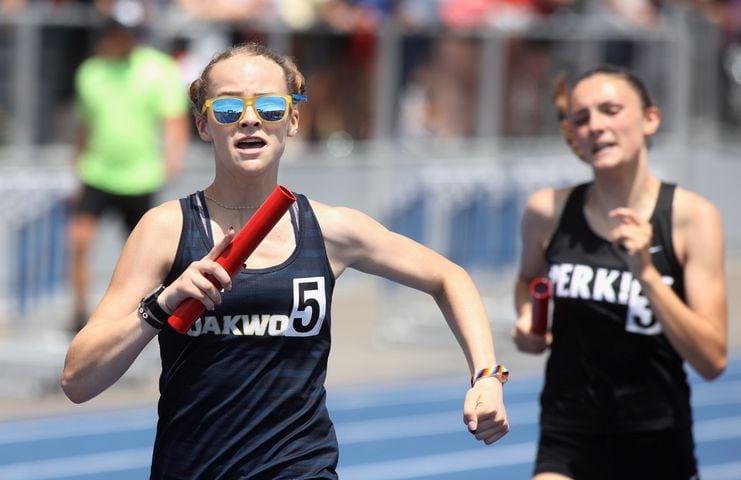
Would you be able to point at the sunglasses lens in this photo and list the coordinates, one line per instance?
(227, 110)
(271, 109)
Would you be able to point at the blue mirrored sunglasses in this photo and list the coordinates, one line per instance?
(270, 108)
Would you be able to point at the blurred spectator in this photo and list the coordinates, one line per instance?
(10, 7)
(725, 15)
(351, 16)
(454, 91)
(417, 14)
(526, 87)
(441, 100)
(639, 13)
(127, 94)
(633, 14)
(516, 15)
(225, 10)
(297, 15)
(187, 62)
(340, 69)
(624, 17)
(128, 12)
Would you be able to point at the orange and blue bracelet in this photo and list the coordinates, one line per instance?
(500, 372)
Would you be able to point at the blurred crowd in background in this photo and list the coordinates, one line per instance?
(335, 42)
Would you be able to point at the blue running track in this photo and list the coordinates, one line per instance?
(410, 431)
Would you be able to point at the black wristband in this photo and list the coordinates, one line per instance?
(150, 311)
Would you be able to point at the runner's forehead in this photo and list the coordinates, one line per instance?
(601, 88)
(247, 75)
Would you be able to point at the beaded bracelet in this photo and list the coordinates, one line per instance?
(500, 372)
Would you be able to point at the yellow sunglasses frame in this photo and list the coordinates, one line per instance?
(291, 100)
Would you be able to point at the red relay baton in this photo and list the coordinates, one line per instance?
(540, 295)
(236, 253)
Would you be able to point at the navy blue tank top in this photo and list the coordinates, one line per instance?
(611, 368)
(242, 394)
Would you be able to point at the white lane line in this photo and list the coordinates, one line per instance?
(417, 393)
(120, 460)
(398, 427)
(721, 393)
(722, 428)
(409, 426)
(356, 432)
(721, 471)
(409, 468)
(423, 425)
(443, 463)
(405, 426)
(69, 427)
(703, 394)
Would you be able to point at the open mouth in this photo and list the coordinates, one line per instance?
(250, 144)
(601, 146)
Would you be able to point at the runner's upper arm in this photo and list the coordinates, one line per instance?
(144, 262)
(539, 222)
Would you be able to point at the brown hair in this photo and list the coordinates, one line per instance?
(560, 97)
(199, 89)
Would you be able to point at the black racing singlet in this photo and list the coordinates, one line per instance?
(242, 394)
(611, 368)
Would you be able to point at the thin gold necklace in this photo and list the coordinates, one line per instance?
(230, 207)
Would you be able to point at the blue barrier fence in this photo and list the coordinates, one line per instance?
(471, 215)
(39, 254)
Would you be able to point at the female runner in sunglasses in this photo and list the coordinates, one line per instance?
(639, 289)
(242, 394)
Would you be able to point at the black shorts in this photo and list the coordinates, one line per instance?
(665, 454)
(95, 202)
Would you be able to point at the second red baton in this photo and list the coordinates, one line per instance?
(540, 295)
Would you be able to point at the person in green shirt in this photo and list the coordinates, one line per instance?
(133, 136)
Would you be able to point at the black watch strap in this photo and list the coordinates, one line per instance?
(150, 311)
